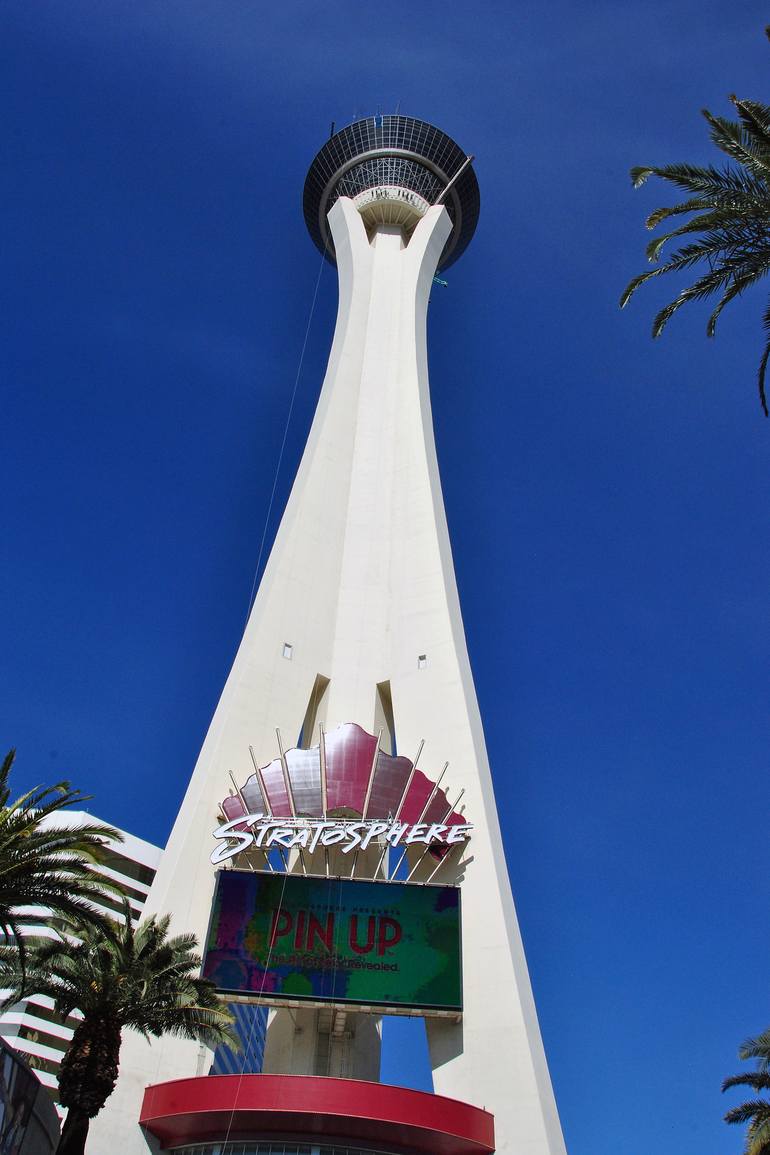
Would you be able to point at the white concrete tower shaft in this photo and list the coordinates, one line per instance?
(360, 585)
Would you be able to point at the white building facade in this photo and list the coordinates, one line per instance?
(32, 1027)
(357, 619)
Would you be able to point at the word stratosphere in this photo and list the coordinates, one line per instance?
(264, 832)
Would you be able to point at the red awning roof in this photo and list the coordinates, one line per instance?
(208, 1108)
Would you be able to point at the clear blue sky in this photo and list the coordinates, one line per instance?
(607, 496)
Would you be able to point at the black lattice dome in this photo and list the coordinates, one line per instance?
(392, 151)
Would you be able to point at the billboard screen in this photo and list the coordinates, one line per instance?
(286, 938)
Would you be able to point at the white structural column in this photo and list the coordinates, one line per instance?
(360, 584)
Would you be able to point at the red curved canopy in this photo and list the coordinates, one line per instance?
(308, 1107)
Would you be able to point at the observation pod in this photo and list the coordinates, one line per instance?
(393, 168)
(353, 859)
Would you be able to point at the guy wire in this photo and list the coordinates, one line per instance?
(283, 441)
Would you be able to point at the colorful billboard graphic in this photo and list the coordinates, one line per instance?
(288, 938)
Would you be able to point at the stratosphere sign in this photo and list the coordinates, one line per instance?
(247, 830)
(283, 939)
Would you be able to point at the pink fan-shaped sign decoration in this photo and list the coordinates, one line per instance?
(356, 769)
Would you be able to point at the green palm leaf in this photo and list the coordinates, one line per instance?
(757, 1080)
(755, 119)
(755, 1109)
(754, 1113)
(739, 144)
(758, 1137)
(46, 864)
(117, 976)
(731, 221)
(758, 1047)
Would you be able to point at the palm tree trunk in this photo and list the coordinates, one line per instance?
(74, 1133)
(87, 1077)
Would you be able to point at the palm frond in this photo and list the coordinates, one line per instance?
(684, 258)
(640, 173)
(757, 1080)
(739, 284)
(758, 1135)
(748, 1112)
(47, 867)
(755, 118)
(717, 185)
(729, 210)
(695, 204)
(758, 1046)
(725, 232)
(732, 139)
(705, 286)
(137, 975)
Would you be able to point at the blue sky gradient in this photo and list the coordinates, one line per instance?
(606, 495)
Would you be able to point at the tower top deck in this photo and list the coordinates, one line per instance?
(394, 168)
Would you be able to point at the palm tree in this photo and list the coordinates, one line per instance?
(117, 976)
(755, 1112)
(44, 864)
(730, 230)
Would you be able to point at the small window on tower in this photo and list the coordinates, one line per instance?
(422, 661)
(288, 650)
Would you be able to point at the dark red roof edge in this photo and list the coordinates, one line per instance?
(208, 1108)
